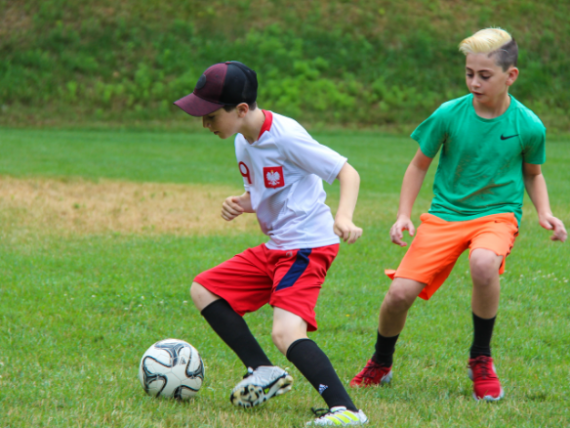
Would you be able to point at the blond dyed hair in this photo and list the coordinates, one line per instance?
(492, 41)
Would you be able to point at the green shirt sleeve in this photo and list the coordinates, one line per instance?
(431, 133)
(534, 145)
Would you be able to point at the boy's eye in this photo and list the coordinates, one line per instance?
(469, 75)
(485, 77)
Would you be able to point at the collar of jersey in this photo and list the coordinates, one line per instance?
(500, 118)
(267, 123)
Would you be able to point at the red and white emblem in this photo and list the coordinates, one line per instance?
(273, 176)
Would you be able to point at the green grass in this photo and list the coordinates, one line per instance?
(75, 323)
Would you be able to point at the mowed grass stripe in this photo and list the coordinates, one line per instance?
(203, 159)
(180, 158)
(78, 311)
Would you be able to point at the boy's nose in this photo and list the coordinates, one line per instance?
(205, 123)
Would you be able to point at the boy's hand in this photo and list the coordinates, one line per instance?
(548, 221)
(397, 230)
(345, 228)
(231, 208)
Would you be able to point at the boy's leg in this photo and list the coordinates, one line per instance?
(263, 380)
(393, 313)
(230, 326)
(290, 336)
(424, 268)
(224, 294)
(394, 308)
(297, 285)
(298, 278)
(491, 242)
(484, 266)
(287, 328)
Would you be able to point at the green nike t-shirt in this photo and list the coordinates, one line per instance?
(480, 169)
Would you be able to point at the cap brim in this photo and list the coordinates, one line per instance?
(196, 106)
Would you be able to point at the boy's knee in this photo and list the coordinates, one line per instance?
(283, 337)
(201, 296)
(400, 298)
(195, 290)
(484, 266)
(279, 335)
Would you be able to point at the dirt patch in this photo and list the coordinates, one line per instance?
(13, 19)
(84, 207)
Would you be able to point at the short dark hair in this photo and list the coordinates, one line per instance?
(252, 106)
(507, 55)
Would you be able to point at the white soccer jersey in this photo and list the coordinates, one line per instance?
(283, 172)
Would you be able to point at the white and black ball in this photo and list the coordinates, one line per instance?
(171, 368)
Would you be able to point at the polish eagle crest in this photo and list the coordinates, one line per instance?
(273, 177)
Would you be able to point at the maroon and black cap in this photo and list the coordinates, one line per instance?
(226, 83)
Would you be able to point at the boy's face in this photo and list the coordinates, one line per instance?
(222, 123)
(487, 80)
(225, 123)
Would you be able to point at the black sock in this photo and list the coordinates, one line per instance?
(482, 332)
(233, 330)
(385, 347)
(317, 368)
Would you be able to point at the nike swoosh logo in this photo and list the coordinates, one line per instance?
(510, 136)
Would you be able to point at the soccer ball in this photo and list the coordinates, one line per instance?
(171, 368)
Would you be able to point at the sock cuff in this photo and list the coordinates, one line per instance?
(477, 317)
(212, 306)
(394, 338)
(294, 344)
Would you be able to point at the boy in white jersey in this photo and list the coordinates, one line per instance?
(492, 147)
(282, 168)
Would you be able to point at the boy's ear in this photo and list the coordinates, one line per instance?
(242, 109)
(513, 73)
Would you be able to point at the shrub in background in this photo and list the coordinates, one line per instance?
(359, 62)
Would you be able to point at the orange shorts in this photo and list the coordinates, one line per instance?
(439, 243)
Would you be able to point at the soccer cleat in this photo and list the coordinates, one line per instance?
(486, 385)
(372, 374)
(260, 385)
(338, 416)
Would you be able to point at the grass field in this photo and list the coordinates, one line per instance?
(102, 232)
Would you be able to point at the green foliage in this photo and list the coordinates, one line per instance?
(338, 62)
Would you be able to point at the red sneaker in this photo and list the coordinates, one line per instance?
(486, 385)
(372, 374)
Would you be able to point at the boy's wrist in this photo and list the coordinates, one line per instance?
(341, 215)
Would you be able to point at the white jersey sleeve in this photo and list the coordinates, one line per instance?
(309, 155)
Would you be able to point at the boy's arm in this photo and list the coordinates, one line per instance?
(236, 205)
(536, 189)
(411, 185)
(349, 185)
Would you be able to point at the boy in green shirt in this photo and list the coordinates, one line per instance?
(492, 147)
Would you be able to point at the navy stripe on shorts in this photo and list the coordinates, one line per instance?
(296, 269)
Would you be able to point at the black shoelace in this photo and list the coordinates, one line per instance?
(320, 412)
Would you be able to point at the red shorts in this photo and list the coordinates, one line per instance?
(289, 280)
(439, 243)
